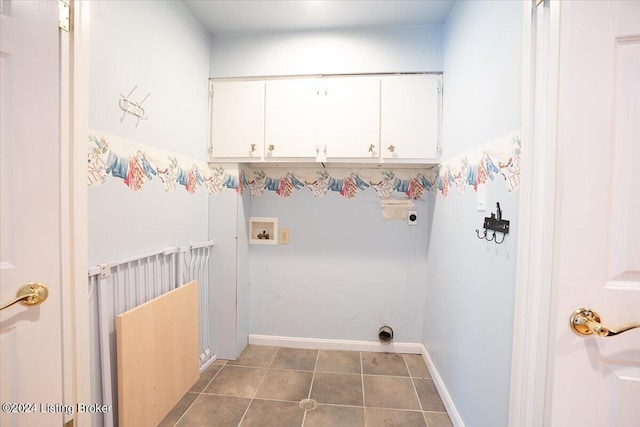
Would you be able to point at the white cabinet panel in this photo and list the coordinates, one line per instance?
(291, 118)
(349, 123)
(237, 120)
(359, 119)
(410, 117)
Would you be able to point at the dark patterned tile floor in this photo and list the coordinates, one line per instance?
(265, 385)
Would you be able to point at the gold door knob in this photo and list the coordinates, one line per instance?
(30, 294)
(391, 148)
(585, 321)
(253, 147)
(271, 147)
(371, 147)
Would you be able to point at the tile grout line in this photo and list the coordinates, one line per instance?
(313, 377)
(325, 372)
(415, 390)
(266, 371)
(327, 404)
(212, 378)
(200, 393)
(364, 409)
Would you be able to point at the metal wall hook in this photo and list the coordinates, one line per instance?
(132, 107)
(496, 224)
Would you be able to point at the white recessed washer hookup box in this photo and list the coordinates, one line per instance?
(263, 231)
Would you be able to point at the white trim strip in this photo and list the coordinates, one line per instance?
(329, 344)
(454, 415)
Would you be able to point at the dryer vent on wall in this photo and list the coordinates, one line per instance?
(385, 334)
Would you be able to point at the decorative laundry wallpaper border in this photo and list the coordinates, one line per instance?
(136, 164)
(484, 163)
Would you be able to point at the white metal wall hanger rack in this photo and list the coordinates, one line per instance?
(132, 107)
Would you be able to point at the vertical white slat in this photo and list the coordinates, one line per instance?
(203, 309)
(206, 325)
(198, 257)
(138, 284)
(105, 312)
(166, 286)
(126, 288)
(198, 261)
(156, 279)
(174, 271)
(115, 282)
(131, 285)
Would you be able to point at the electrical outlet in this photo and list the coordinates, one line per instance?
(105, 271)
(284, 236)
(412, 217)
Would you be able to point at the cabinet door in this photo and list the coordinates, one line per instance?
(291, 117)
(237, 120)
(410, 117)
(349, 123)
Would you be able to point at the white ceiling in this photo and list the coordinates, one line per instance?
(258, 16)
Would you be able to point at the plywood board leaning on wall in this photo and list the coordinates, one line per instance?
(157, 355)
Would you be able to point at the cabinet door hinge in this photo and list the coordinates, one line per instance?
(64, 15)
(210, 89)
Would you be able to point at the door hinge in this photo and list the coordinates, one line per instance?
(64, 15)
(210, 89)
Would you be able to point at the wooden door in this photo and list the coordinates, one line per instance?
(595, 381)
(30, 337)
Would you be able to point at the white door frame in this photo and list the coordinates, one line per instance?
(74, 123)
(536, 283)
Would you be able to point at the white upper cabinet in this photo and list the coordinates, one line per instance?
(357, 119)
(339, 116)
(410, 117)
(349, 119)
(237, 121)
(291, 117)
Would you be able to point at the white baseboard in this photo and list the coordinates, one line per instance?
(442, 390)
(327, 344)
(208, 363)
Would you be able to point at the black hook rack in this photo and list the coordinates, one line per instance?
(496, 224)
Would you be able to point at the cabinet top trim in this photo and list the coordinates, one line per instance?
(320, 76)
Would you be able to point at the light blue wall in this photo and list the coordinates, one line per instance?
(344, 274)
(468, 312)
(161, 47)
(383, 50)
